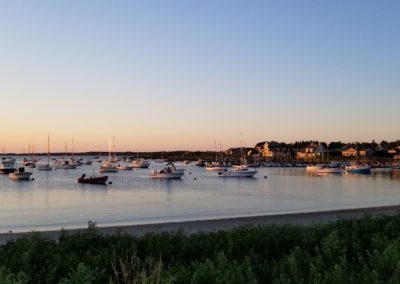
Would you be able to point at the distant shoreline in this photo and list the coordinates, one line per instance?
(213, 225)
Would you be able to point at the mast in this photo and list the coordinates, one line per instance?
(115, 157)
(48, 150)
(109, 150)
(241, 149)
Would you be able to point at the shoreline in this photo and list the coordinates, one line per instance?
(212, 225)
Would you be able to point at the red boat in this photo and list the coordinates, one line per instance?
(92, 180)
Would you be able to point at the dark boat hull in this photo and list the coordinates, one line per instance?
(93, 180)
(7, 171)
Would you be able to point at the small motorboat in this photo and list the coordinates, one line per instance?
(7, 167)
(168, 172)
(93, 179)
(20, 174)
(238, 171)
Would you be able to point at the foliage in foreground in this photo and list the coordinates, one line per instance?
(348, 251)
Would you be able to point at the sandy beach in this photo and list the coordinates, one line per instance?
(227, 223)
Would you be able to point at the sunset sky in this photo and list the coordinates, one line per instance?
(178, 75)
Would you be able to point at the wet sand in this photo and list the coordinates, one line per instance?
(227, 223)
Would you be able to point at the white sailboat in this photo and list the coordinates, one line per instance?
(46, 167)
(241, 170)
(108, 166)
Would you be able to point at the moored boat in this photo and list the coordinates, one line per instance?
(93, 179)
(168, 172)
(7, 167)
(329, 170)
(108, 167)
(358, 169)
(65, 164)
(20, 174)
(140, 163)
(124, 167)
(238, 171)
(217, 167)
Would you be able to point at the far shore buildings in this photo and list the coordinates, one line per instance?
(311, 152)
(350, 152)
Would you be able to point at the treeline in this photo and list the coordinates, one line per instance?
(347, 251)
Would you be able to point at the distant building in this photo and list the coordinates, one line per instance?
(396, 157)
(349, 152)
(366, 152)
(268, 149)
(392, 152)
(311, 152)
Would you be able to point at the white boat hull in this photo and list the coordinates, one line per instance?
(169, 172)
(176, 175)
(238, 171)
(20, 176)
(335, 171)
(45, 167)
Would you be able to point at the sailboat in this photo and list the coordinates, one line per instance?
(65, 163)
(46, 167)
(356, 168)
(108, 166)
(217, 165)
(241, 170)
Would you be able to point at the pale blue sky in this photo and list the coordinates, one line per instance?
(164, 75)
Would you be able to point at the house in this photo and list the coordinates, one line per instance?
(268, 149)
(366, 152)
(349, 152)
(311, 152)
(392, 152)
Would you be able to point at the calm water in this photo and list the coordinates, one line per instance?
(55, 199)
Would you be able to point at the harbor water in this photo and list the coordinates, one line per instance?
(55, 200)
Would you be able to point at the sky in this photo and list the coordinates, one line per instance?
(180, 75)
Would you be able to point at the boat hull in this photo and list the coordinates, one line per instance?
(177, 175)
(20, 176)
(93, 180)
(248, 173)
(7, 170)
(333, 171)
(358, 170)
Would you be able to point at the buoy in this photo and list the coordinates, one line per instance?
(32, 179)
(190, 173)
(110, 182)
(265, 176)
(195, 178)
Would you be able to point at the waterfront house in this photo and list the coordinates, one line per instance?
(268, 149)
(349, 152)
(366, 152)
(311, 152)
